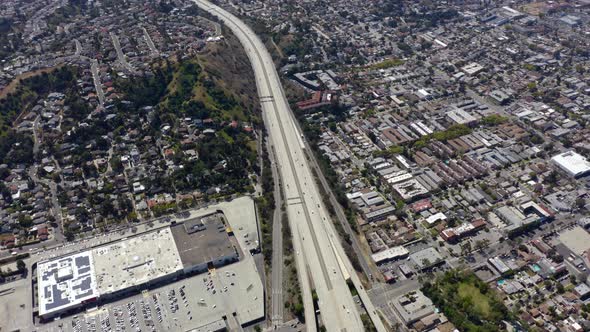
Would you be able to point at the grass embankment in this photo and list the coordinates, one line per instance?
(480, 302)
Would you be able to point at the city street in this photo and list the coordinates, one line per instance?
(120, 55)
(97, 83)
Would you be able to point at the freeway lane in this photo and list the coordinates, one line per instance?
(319, 253)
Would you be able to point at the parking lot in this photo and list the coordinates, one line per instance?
(234, 291)
(150, 311)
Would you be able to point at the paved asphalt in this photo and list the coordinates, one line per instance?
(150, 42)
(120, 55)
(319, 256)
(365, 264)
(97, 84)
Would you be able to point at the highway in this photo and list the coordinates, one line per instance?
(321, 262)
(341, 215)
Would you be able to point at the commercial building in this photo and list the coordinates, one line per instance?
(372, 205)
(572, 163)
(410, 189)
(454, 234)
(406, 270)
(524, 217)
(500, 97)
(379, 214)
(413, 306)
(577, 240)
(137, 261)
(131, 264)
(390, 254)
(570, 20)
(459, 116)
(426, 258)
(203, 243)
(66, 283)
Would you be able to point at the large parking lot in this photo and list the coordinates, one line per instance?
(151, 311)
(145, 313)
(233, 292)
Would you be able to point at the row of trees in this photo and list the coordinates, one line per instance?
(21, 268)
(266, 205)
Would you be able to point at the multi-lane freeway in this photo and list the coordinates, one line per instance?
(321, 262)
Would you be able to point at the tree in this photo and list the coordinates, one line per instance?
(552, 177)
(465, 248)
(116, 164)
(21, 266)
(580, 203)
(298, 309)
(25, 221)
(367, 323)
(560, 288)
(479, 245)
(70, 236)
(548, 284)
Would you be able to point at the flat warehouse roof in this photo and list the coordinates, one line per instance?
(576, 239)
(240, 213)
(391, 253)
(209, 243)
(136, 260)
(426, 257)
(65, 282)
(573, 163)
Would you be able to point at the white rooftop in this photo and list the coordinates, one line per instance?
(436, 217)
(136, 260)
(65, 282)
(573, 163)
(391, 253)
(459, 116)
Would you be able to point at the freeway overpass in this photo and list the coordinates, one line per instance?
(320, 258)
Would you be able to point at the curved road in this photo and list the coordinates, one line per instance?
(321, 262)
